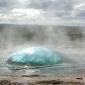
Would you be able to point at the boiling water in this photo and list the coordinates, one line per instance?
(69, 40)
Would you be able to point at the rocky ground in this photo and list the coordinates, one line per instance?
(74, 79)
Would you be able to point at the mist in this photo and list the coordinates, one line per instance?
(65, 39)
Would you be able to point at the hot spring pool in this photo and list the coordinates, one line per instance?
(67, 66)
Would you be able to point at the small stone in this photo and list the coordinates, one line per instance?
(35, 56)
(80, 78)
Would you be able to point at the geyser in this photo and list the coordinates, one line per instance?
(35, 56)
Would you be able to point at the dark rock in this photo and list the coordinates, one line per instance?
(5, 82)
(73, 83)
(17, 83)
(80, 78)
(57, 82)
(50, 82)
(33, 76)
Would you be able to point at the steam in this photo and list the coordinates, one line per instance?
(67, 40)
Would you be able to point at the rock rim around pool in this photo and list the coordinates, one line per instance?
(35, 56)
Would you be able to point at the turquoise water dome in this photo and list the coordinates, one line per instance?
(35, 56)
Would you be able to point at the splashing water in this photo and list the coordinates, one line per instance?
(69, 40)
